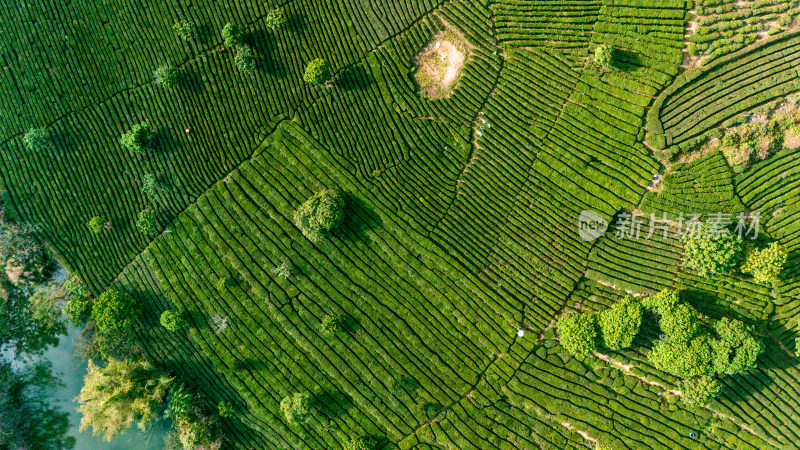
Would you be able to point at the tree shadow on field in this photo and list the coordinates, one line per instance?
(204, 34)
(355, 78)
(191, 81)
(741, 387)
(163, 141)
(349, 324)
(359, 219)
(791, 270)
(248, 364)
(265, 47)
(626, 61)
(332, 404)
(297, 22)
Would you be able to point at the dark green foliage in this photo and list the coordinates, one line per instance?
(620, 323)
(180, 402)
(604, 55)
(114, 312)
(665, 299)
(245, 60)
(686, 359)
(578, 333)
(766, 264)
(275, 19)
(699, 391)
(150, 187)
(708, 256)
(679, 323)
(37, 139)
(167, 77)
(21, 254)
(321, 214)
(78, 309)
(360, 443)
(171, 320)
(225, 409)
(138, 138)
(317, 72)
(146, 222)
(735, 349)
(297, 407)
(96, 224)
(28, 323)
(232, 35)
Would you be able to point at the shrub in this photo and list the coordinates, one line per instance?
(284, 271)
(297, 407)
(225, 409)
(682, 358)
(699, 391)
(321, 214)
(138, 138)
(166, 76)
(171, 320)
(330, 325)
(766, 264)
(37, 139)
(146, 222)
(620, 323)
(96, 224)
(184, 29)
(245, 61)
(360, 443)
(735, 349)
(578, 333)
(275, 19)
(114, 312)
(317, 72)
(604, 55)
(232, 35)
(79, 310)
(708, 256)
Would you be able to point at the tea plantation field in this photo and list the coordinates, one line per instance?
(460, 247)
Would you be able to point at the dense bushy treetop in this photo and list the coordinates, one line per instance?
(735, 349)
(321, 214)
(699, 391)
(28, 323)
(146, 222)
(37, 139)
(360, 443)
(680, 323)
(603, 55)
(114, 312)
(138, 138)
(275, 19)
(166, 76)
(578, 333)
(245, 60)
(686, 359)
(329, 325)
(96, 224)
(171, 320)
(297, 407)
(620, 323)
(232, 35)
(709, 256)
(766, 264)
(317, 72)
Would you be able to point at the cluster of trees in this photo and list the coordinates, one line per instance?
(23, 257)
(298, 408)
(709, 256)
(233, 37)
(322, 213)
(698, 350)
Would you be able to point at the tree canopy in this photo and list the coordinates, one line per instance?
(766, 264)
(232, 35)
(114, 312)
(171, 320)
(604, 55)
(166, 76)
(620, 323)
(138, 138)
(37, 139)
(699, 391)
(709, 256)
(735, 349)
(317, 72)
(297, 407)
(686, 359)
(321, 213)
(578, 333)
(680, 323)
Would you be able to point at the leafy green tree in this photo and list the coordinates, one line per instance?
(620, 323)
(708, 257)
(330, 325)
(37, 139)
(665, 299)
(321, 213)
(185, 29)
(79, 310)
(139, 138)
(275, 19)
(699, 391)
(680, 323)
(27, 418)
(297, 407)
(317, 72)
(96, 224)
(171, 320)
(225, 409)
(21, 253)
(150, 187)
(180, 401)
(245, 60)
(115, 396)
(578, 333)
(232, 35)
(735, 349)
(284, 271)
(686, 359)
(114, 312)
(146, 222)
(360, 443)
(167, 77)
(766, 264)
(28, 323)
(198, 431)
(604, 55)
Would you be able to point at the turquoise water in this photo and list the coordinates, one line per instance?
(71, 370)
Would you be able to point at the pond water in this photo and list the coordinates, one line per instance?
(71, 369)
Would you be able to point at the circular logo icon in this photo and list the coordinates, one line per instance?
(591, 225)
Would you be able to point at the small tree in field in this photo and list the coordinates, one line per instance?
(114, 312)
(578, 333)
(275, 19)
(245, 61)
(37, 139)
(146, 222)
(171, 320)
(96, 224)
(317, 72)
(225, 409)
(699, 391)
(360, 443)
(766, 264)
(735, 349)
(620, 323)
(232, 35)
(330, 325)
(321, 214)
(604, 55)
(184, 29)
(138, 138)
(710, 256)
(166, 76)
(297, 407)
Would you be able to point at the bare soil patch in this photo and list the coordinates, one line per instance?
(439, 64)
